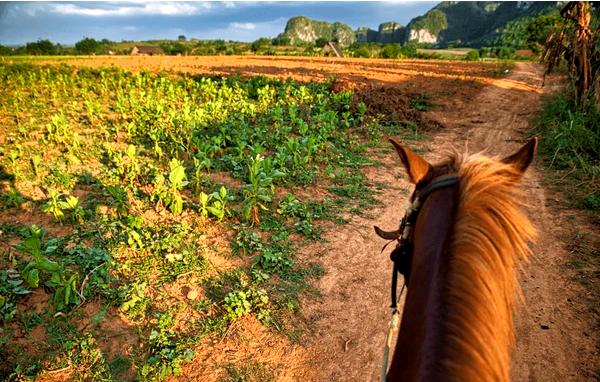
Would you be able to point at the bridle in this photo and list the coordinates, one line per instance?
(402, 255)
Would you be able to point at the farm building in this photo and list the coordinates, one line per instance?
(332, 49)
(146, 50)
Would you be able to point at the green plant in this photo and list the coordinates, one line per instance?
(274, 259)
(127, 164)
(570, 141)
(166, 354)
(119, 203)
(246, 241)
(11, 287)
(71, 203)
(56, 206)
(13, 198)
(36, 160)
(135, 300)
(40, 267)
(241, 302)
(473, 55)
(168, 192)
(260, 190)
(219, 206)
(58, 130)
(199, 167)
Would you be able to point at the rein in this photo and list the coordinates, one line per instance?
(402, 255)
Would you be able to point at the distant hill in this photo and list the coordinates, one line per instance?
(469, 23)
(462, 23)
(302, 29)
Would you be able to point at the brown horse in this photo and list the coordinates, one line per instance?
(466, 239)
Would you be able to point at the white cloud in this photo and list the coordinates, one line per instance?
(245, 26)
(130, 8)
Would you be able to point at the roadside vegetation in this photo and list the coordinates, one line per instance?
(569, 124)
(569, 127)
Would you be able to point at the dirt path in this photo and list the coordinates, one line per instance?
(553, 342)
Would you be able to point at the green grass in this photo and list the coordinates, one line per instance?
(124, 173)
(570, 144)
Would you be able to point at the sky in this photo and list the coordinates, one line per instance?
(70, 21)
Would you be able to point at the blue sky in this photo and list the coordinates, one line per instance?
(69, 22)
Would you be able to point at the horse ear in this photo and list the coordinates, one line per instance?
(416, 167)
(523, 157)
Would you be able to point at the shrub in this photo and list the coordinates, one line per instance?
(391, 51)
(363, 51)
(472, 56)
(505, 52)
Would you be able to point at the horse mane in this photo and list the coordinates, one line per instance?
(490, 235)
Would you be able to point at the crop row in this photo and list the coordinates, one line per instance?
(136, 182)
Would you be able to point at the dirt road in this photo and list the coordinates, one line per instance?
(553, 343)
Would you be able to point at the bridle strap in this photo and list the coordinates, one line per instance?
(404, 246)
(442, 181)
(437, 183)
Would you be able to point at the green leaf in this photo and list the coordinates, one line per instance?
(55, 279)
(203, 198)
(48, 265)
(33, 278)
(67, 294)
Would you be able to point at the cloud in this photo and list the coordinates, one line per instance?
(245, 26)
(130, 8)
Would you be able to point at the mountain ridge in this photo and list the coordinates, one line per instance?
(449, 22)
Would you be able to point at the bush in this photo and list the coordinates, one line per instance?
(505, 53)
(363, 51)
(472, 56)
(485, 52)
(390, 51)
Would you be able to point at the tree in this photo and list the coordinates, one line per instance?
(576, 41)
(320, 42)
(260, 43)
(41, 47)
(539, 28)
(181, 38)
(87, 46)
(281, 40)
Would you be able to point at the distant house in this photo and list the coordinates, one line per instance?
(147, 50)
(332, 49)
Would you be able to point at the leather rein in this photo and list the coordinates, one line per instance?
(402, 255)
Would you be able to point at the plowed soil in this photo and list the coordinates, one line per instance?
(475, 107)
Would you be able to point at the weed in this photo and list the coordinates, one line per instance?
(241, 302)
(250, 371)
(63, 282)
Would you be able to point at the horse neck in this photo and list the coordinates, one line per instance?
(419, 343)
(457, 317)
